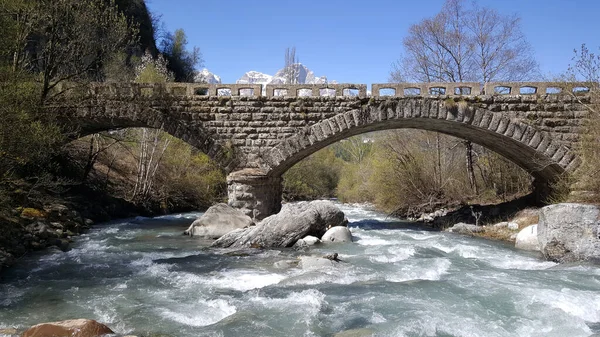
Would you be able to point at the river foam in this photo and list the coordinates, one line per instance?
(142, 277)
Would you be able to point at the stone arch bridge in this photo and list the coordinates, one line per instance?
(256, 133)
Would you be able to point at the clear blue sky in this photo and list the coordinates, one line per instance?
(354, 41)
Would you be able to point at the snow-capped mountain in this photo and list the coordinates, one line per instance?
(255, 77)
(304, 76)
(206, 76)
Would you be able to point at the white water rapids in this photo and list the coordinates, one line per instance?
(141, 276)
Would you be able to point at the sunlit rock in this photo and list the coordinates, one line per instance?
(219, 220)
(293, 222)
(69, 328)
(513, 226)
(570, 232)
(337, 234)
(307, 241)
(463, 228)
(527, 239)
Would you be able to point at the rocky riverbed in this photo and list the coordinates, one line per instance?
(141, 276)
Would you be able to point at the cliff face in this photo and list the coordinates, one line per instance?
(137, 11)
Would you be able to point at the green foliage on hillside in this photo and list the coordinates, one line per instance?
(137, 11)
(46, 43)
(404, 172)
(315, 177)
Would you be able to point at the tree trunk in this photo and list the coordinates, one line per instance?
(470, 169)
(439, 160)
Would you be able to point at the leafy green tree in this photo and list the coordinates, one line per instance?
(66, 40)
(181, 61)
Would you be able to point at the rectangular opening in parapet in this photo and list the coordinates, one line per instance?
(103, 90)
(349, 92)
(437, 91)
(201, 91)
(581, 90)
(553, 90)
(123, 91)
(304, 92)
(412, 92)
(179, 91)
(280, 92)
(246, 92)
(326, 92)
(387, 92)
(147, 91)
(502, 90)
(462, 91)
(224, 92)
(528, 90)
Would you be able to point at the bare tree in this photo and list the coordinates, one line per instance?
(151, 151)
(586, 68)
(466, 44)
(291, 70)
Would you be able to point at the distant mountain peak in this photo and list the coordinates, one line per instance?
(304, 76)
(205, 76)
(254, 77)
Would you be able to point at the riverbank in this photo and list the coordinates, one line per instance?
(49, 220)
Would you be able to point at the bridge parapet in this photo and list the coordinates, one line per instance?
(473, 89)
(317, 90)
(176, 89)
(399, 90)
(424, 89)
(538, 88)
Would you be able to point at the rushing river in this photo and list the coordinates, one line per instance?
(141, 276)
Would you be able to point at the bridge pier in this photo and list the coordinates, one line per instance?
(254, 193)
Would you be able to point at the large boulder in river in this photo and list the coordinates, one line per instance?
(570, 232)
(527, 239)
(70, 328)
(283, 229)
(219, 220)
(337, 234)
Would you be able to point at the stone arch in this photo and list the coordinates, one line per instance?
(535, 151)
(111, 115)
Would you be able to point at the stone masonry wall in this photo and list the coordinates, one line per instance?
(254, 125)
(246, 127)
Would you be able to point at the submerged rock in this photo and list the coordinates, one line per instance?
(293, 222)
(70, 328)
(362, 332)
(312, 262)
(285, 264)
(463, 228)
(337, 234)
(8, 331)
(307, 241)
(570, 232)
(219, 220)
(527, 239)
